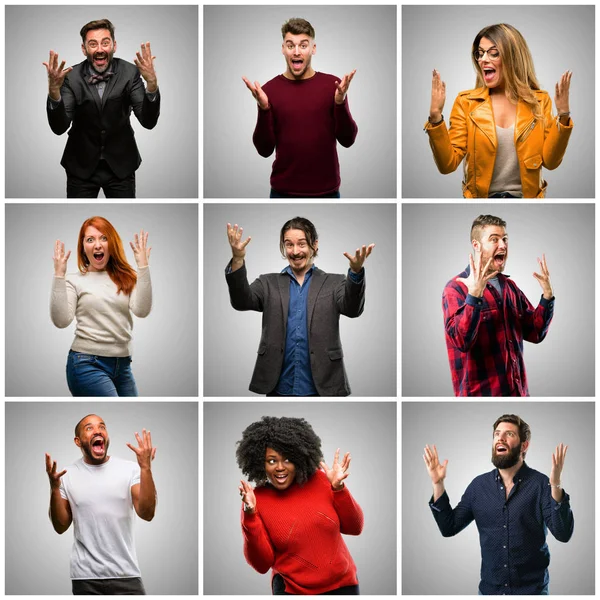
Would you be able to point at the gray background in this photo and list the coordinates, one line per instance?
(165, 343)
(246, 41)
(37, 559)
(169, 152)
(366, 429)
(440, 37)
(435, 248)
(462, 432)
(231, 337)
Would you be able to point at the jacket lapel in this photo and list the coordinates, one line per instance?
(284, 295)
(110, 84)
(482, 115)
(317, 280)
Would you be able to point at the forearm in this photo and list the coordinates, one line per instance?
(242, 295)
(147, 497)
(264, 133)
(556, 139)
(258, 550)
(59, 513)
(349, 512)
(61, 310)
(461, 320)
(141, 296)
(346, 129)
(450, 521)
(535, 323)
(438, 490)
(351, 297)
(146, 111)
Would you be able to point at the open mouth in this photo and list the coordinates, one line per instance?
(98, 446)
(501, 449)
(99, 256)
(297, 64)
(488, 74)
(100, 58)
(499, 259)
(280, 479)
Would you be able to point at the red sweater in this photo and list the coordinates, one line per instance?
(302, 124)
(297, 532)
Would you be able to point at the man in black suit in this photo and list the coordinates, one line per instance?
(95, 98)
(300, 351)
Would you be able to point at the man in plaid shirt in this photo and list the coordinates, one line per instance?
(487, 317)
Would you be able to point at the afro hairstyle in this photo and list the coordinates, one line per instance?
(291, 437)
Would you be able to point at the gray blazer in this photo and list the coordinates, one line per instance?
(329, 297)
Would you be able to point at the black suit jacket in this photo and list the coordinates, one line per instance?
(329, 296)
(102, 125)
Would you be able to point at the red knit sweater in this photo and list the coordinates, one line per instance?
(302, 125)
(297, 533)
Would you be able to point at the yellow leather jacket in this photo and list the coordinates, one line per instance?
(472, 133)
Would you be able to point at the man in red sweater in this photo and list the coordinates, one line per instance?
(301, 115)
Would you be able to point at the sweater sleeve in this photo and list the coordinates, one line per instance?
(264, 133)
(349, 512)
(258, 549)
(345, 126)
(63, 302)
(140, 301)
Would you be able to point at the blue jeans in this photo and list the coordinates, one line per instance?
(90, 375)
(275, 194)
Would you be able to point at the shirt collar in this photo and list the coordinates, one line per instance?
(468, 271)
(522, 473)
(289, 271)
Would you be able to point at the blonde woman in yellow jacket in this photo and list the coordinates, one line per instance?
(504, 128)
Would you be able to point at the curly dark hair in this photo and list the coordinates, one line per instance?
(291, 437)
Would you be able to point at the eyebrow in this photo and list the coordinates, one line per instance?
(290, 240)
(481, 48)
(504, 235)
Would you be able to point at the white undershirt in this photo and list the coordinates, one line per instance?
(103, 515)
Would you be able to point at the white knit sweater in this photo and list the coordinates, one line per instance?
(104, 321)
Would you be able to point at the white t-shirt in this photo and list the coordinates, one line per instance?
(103, 515)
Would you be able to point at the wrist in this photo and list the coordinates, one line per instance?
(338, 487)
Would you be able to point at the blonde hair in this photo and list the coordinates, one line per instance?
(517, 64)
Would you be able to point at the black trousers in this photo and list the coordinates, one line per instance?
(278, 585)
(102, 178)
(126, 586)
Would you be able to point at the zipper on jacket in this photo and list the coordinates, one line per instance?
(525, 132)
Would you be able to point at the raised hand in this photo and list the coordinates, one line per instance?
(145, 64)
(140, 251)
(479, 276)
(436, 471)
(248, 497)
(145, 453)
(342, 87)
(558, 462)
(438, 97)
(56, 74)
(357, 261)
(258, 93)
(60, 259)
(234, 235)
(338, 471)
(561, 92)
(544, 278)
(53, 476)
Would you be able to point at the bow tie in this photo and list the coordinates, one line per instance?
(95, 78)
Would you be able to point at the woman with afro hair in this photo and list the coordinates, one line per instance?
(293, 519)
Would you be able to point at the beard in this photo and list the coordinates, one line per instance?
(92, 56)
(93, 458)
(508, 459)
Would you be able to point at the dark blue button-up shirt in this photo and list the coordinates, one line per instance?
(512, 532)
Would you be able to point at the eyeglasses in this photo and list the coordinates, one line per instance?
(492, 53)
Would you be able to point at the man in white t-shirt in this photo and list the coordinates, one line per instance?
(98, 493)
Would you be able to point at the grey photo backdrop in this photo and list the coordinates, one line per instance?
(165, 343)
(435, 248)
(366, 429)
(231, 337)
(169, 152)
(462, 432)
(37, 558)
(560, 38)
(246, 41)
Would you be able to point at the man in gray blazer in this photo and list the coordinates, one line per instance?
(300, 351)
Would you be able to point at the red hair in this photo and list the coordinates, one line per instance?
(118, 269)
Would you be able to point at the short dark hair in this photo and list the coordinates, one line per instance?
(483, 221)
(81, 421)
(304, 225)
(291, 437)
(296, 27)
(524, 430)
(101, 24)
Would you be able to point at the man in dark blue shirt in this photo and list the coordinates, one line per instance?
(513, 506)
(300, 351)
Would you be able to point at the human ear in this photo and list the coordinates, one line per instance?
(83, 49)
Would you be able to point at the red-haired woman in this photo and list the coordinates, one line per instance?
(101, 297)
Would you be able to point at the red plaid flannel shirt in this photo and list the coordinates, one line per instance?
(484, 337)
